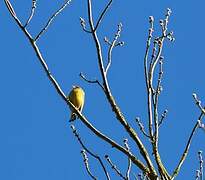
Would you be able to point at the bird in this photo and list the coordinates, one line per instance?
(77, 98)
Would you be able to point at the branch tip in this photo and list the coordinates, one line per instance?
(52, 18)
(151, 19)
(95, 81)
(169, 11)
(34, 2)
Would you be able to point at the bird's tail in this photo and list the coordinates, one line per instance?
(73, 117)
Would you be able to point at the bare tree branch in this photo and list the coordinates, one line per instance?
(159, 80)
(111, 100)
(149, 73)
(83, 25)
(197, 125)
(185, 153)
(141, 126)
(154, 50)
(82, 21)
(197, 175)
(33, 7)
(200, 171)
(61, 93)
(160, 41)
(121, 43)
(201, 163)
(129, 160)
(89, 152)
(51, 19)
(202, 125)
(198, 103)
(107, 41)
(10, 8)
(114, 167)
(153, 96)
(91, 81)
(148, 43)
(113, 44)
(156, 98)
(163, 116)
(85, 159)
(103, 14)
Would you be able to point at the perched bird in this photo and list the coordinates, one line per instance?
(77, 97)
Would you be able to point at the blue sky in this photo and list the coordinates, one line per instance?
(36, 139)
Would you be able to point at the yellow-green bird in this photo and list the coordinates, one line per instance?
(77, 97)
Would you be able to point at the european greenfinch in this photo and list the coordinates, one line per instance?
(77, 97)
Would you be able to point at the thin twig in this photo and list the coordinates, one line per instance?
(91, 81)
(197, 175)
(51, 19)
(148, 79)
(113, 44)
(160, 40)
(61, 93)
(202, 125)
(83, 25)
(153, 96)
(201, 164)
(102, 15)
(163, 116)
(85, 159)
(151, 29)
(197, 125)
(185, 153)
(33, 7)
(10, 8)
(148, 43)
(129, 160)
(159, 80)
(111, 99)
(89, 152)
(114, 167)
(121, 43)
(112, 143)
(198, 103)
(156, 99)
(202, 109)
(155, 61)
(107, 41)
(154, 50)
(141, 126)
(199, 172)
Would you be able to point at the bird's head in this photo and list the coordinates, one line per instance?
(75, 86)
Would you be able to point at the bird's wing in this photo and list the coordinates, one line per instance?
(82, 104)
(82, 100)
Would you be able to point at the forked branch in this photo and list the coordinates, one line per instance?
(111, 100)
(33, 7)
(114, 167)
(103, 14)
(89, 152)
(112, 45)
(91, 81)
(197, 125)
(152, 94)
(51, 19)
(85, 159)
(63, 96)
